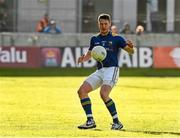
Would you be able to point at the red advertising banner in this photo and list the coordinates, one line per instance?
(50, 57)
(166, 57)
(28, 57)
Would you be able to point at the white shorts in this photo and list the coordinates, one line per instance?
(106, 75)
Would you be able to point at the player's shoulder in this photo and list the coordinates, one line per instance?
(95, 35)
(117, 36)
(119, 39)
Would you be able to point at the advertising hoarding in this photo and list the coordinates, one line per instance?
(17, 57)
(166, 57)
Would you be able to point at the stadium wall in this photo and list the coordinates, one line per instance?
(29, 50)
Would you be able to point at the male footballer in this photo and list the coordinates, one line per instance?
(107, 73)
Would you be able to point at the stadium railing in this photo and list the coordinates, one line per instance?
(80, 40)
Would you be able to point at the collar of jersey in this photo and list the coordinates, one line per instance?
(109, 33)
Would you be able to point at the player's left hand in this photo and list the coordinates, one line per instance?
(130, 44)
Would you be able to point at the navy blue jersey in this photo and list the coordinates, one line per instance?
(112, 44)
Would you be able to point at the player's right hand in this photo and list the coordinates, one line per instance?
(80, 59)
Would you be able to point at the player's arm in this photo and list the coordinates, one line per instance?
(84, 57)
(129, 47)
(87, 56)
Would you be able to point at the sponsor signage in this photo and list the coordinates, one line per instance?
(70, 56)
(143, 58)
(166, 57)
(50, 57)
(33, 57)
(19, 57)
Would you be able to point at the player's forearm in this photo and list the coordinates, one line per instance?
(86, 57)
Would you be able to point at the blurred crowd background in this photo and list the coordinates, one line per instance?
(79, 16)
(27, 29)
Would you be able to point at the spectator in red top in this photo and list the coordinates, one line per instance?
(43, 23)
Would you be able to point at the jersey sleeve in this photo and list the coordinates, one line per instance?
(91, 44)
(121, 42)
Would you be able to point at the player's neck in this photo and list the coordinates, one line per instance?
(104, 34)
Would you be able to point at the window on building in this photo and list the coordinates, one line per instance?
(8, 15)
(155, 21)
(177, 16)
(162, 15)
(141, 13)
(90, 10)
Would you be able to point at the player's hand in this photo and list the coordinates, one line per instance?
(130, 44)
(80, 59)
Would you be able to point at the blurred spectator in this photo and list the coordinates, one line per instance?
(52, 28)
(114, 29)
(3, 16)
(43, 23)
(139, 30)
(126, 29)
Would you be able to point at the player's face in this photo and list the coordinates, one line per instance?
(104, 26)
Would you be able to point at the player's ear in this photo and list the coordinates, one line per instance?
(110, 23)
(97, 22)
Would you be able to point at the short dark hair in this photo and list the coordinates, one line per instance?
(104, 16)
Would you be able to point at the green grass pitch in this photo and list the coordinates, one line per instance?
(50, 107)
